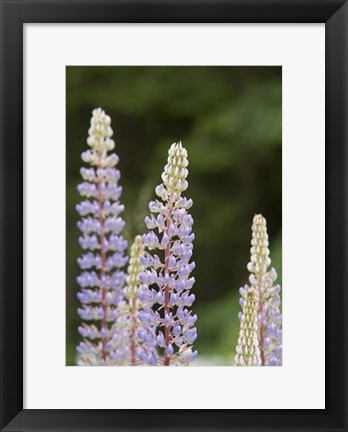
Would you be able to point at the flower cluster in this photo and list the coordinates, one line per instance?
(248, 353)
(125, 339)
(102, 278)
(167, 331)
(262, 280)
(145, 317)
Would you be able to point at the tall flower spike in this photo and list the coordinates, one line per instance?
(248, 353)
(126, 340)
(102, 278)
(262, 279)
(167, 322)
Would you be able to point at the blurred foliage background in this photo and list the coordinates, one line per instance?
(229, 119)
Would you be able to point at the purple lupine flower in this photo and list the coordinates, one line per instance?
(168, 323)
(262, 280)
(102, 278)
(130, 311)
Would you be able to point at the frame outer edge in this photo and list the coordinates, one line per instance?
(11, 230)
(11, 222)
(336, 135)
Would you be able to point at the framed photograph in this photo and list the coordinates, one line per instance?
(173, 215)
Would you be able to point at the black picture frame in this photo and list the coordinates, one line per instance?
(334, 13)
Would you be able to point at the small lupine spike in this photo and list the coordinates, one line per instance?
(262, 280)
(126, 340)
(248, 352)
(168, 324)
(102, 278)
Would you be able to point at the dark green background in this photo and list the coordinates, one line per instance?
(229, 120)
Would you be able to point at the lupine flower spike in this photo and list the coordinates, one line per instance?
(248, 353)
(262, 280)
(168, 331)
(126, 340)
(102, 278)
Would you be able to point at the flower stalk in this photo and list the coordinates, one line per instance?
(168, 330)
(262, 280)
(128, 323)
(248, 352)
(102, 278)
